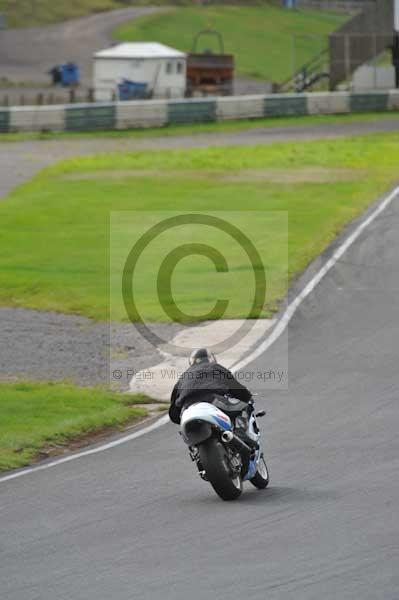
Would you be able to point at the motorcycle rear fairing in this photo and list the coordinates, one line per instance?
(208, 413)
(208, 430)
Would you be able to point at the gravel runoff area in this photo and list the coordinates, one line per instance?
(52, 346)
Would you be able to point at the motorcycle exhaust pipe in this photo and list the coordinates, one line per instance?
(229, 438)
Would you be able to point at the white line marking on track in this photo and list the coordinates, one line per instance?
(275, 334)
(291, 309)
(127, 438)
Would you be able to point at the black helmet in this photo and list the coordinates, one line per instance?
(201, 355)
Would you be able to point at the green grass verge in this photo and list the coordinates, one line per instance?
(55, 229)
(264, 39)
(25, 13)
(201, 128)
(34, 416)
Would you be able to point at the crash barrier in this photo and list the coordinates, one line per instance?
(158, 113)
(86, 116)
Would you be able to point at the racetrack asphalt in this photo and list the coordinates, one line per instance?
(137, 522)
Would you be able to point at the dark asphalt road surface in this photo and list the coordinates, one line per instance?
(136, 522)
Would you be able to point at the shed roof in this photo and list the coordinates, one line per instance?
(140, 50)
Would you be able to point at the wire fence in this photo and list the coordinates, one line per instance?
(348, 61)
(24, 96)
(49, 96)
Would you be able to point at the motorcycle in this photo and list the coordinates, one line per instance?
(224, 441)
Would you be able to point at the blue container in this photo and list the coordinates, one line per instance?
(132, 90)
(70, 74)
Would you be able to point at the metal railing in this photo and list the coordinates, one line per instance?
(308, 75)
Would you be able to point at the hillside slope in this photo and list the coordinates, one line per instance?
(269, 42)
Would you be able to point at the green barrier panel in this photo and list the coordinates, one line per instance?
(282, 106)
(85, 118)
(4, 121)
(368, 102)
(192, 111)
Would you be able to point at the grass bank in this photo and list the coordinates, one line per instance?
(55, 233)
(38, 416)
(266, 40)
(26, 13)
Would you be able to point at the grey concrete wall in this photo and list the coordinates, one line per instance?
(157, 113)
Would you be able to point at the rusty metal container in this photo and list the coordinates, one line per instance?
(209, 73)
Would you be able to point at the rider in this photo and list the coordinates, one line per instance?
(204, 379)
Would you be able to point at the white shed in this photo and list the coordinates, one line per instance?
(162, 68)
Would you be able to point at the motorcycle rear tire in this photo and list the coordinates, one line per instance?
(215, 462)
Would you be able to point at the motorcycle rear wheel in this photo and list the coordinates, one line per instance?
(215, 461)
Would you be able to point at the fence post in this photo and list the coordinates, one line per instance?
(347, 57)
(375, 61)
